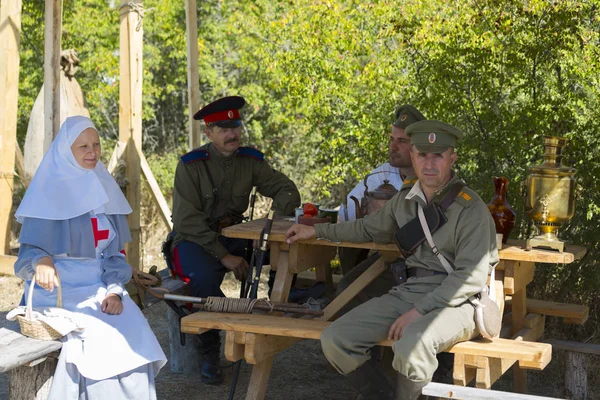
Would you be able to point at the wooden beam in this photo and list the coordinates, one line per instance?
(130, 114)
(191, 27)
(457, 392)
(353, 289)
(572, 313)
(52, 46)
(261, 347)
(586, 348)
(7, 265)
(20, 165)
(233, 351)
(163, 206)
(10, 39)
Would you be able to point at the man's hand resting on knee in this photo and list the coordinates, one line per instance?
(402, 322)
(299, 232)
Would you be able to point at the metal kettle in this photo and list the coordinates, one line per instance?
(374, 200)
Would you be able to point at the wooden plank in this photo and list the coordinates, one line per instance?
(462, 374)
(52, 47)
(515, 249)
(283, 278)
(309, 277)
(251, 230)
(163, 206)
(355, 288)
(233, 351)
(457, 392)
(262, 347)
(7, 265)
(518, 310)
(311, 329)
(585, 348)
(130, 115)
(193, 79)
(573, 312)
(10, 39)
(303, 257)
(17, 350)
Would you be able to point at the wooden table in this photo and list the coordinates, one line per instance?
(514, 272)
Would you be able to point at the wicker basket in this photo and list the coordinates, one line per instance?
(34, 328)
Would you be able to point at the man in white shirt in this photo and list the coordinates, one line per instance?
(395, 171)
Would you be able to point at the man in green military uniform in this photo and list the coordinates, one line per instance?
(211, 191)
(430, 311)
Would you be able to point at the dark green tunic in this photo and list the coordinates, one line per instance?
(195, 206)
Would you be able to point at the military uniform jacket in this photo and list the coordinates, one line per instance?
(467, 240)
(195, 205)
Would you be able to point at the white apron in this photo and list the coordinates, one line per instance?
(109, 344)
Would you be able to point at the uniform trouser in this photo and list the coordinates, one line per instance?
(347, 342)
(206, 275)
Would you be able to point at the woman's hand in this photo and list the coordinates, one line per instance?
(112, 305)
(45, 274)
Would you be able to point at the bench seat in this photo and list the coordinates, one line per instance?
(17, 350)
(530, 355)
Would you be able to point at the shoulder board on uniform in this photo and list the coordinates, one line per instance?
(467, 197)
(195, 155)
(250, 152)
(408, 183)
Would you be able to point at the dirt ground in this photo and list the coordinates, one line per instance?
(300, 372)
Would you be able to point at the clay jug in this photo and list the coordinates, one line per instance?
(504, 216)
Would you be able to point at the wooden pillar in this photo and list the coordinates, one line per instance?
(130, 114)
(191, 26)
(52, 43)
(10, 37)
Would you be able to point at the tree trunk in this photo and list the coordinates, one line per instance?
(29, 383)
(576, 376)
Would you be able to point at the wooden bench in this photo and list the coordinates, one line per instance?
(30, 363)
(483, 360)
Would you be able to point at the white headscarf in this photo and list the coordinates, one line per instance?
(62, 189)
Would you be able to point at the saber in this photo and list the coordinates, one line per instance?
(264, 237)
(249, 256)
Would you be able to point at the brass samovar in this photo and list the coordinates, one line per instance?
(550, 197)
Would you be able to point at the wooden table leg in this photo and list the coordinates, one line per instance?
(281, 290)
(519, 312)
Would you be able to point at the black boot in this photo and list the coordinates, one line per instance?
(409, 390)
(211, 352)
(371, 381)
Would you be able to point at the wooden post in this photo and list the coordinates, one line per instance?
(576, 376)
(130, 114)
(52, 43)
(191, 26)
(10, 38)
(32, 382)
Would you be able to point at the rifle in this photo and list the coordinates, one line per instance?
(249, 256)
(258, 261)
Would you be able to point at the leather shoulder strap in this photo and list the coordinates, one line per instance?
(451, 195)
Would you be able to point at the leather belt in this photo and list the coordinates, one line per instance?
(422, 272)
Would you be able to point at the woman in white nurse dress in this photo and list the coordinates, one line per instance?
(74, 225)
